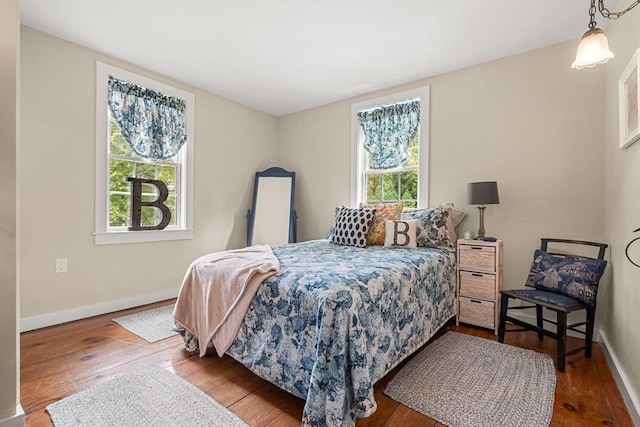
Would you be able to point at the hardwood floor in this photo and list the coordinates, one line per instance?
(61, 360)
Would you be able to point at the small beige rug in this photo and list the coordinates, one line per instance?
(152, 325)
(151, 396)
(466, 381)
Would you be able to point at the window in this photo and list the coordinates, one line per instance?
(116, 162)
(395, 184)
(408, 181)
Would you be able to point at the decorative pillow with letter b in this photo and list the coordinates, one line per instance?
(400, 234)
(576, 278)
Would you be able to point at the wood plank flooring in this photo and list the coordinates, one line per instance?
(61, 360)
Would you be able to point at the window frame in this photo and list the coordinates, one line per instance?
(358, 153)
(103, 233)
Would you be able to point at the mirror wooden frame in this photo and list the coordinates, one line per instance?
(272, 218)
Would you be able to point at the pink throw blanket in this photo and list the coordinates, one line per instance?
(217, 290)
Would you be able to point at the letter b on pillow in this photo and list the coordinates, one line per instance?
(400, 234)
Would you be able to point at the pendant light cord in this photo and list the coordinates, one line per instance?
(626, 250)
(592, 14)
(608, 14)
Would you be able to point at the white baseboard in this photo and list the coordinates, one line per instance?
(628, 394)
(58, 317)
(16, 420)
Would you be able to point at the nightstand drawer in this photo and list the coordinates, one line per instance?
(477, 312)
(478, 285)
(477, 258)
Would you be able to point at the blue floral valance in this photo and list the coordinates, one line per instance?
(152, 123)
(387, 132)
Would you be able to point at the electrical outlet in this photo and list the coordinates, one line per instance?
(61, 265)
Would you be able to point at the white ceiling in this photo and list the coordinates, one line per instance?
(282, 56)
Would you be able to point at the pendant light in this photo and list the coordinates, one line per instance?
(594, 47)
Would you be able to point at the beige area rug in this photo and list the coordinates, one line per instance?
(152, 325)
(151, 396)
(466, 381)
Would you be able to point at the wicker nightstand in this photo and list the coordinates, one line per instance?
(479, 282)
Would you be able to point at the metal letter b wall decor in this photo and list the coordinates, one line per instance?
(137, 204)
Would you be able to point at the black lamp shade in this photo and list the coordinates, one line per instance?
(483, 193)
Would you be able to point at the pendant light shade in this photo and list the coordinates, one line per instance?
(592, 50)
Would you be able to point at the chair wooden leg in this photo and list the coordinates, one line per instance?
(588, 336)
(502, 325)
(539, 320)
(562, 339)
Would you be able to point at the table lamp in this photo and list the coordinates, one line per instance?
(482, 193)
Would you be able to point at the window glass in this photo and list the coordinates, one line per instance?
(395, 184)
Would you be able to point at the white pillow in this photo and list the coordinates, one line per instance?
(400, 233)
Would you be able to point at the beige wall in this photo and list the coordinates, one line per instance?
(10, 412)
(546, 133)
(57, 186)
(527, 121)
(622, 215)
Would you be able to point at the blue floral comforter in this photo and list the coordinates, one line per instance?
(335, 319)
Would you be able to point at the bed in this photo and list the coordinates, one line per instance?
(335, 319)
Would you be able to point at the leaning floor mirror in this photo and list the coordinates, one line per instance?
(272, 218)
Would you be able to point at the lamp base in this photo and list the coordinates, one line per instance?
(481, 228)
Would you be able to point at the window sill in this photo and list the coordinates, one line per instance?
(120, 237)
